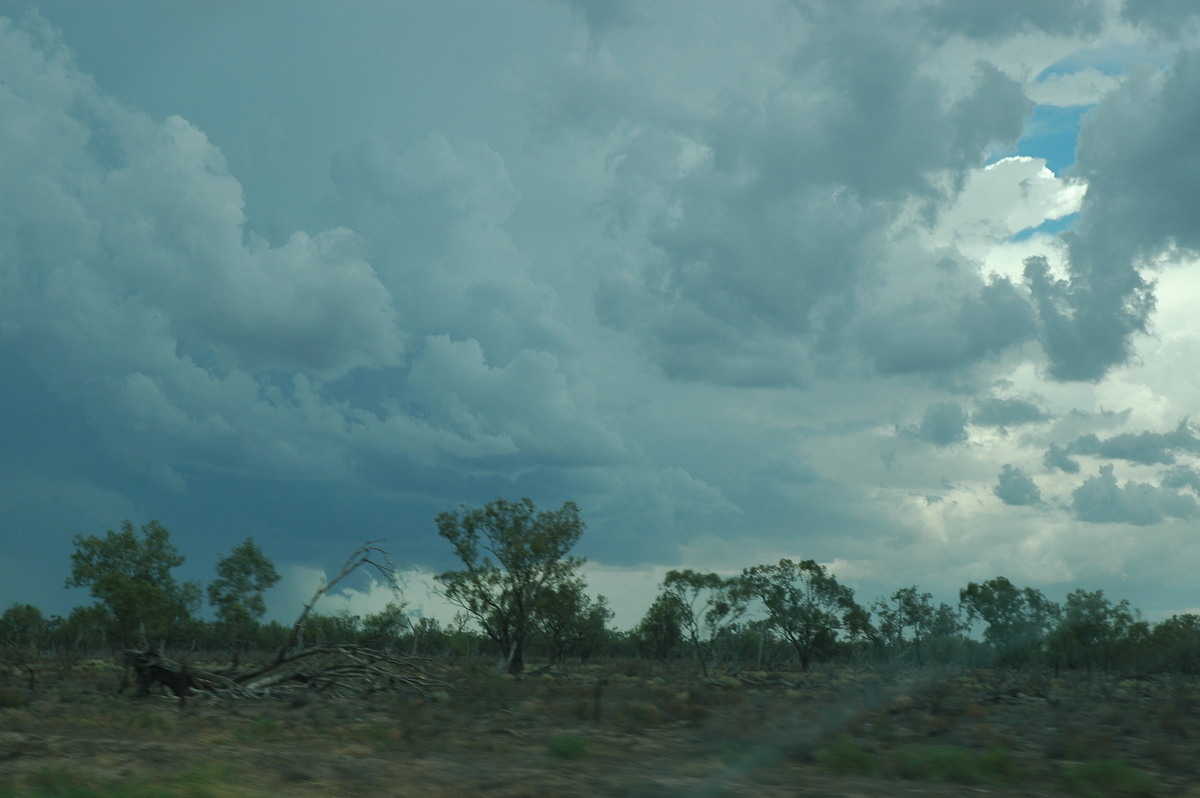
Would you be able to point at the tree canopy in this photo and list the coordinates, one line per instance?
(130, 576)
(512, 555)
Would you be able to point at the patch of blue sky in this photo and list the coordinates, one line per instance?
(1117, 59)
(1051, 227)
(1051, 133)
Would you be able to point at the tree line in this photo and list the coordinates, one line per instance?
(520, 593)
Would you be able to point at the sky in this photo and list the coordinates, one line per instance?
(903, 286)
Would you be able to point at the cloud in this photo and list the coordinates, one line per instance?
(980, 19)
(1101, 500)
(1148, 448)
(1015, 487)
(525, 408)
(944, 424)
(1181, 476)
(1003, 413)
(752, 230)
(1134, 153)
(950, 333)
(435, 213)
(1058, 458)
(1169, 17)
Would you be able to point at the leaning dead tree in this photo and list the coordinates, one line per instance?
(343, 669)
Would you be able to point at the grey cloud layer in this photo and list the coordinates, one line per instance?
(687, 265)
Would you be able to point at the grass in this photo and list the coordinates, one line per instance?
(932, 763)
(1108, 778)
(202, 781)
(11, 698)
(846, 757)
(943, 763)
(567, 746)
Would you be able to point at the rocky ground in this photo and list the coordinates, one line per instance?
(626, 729)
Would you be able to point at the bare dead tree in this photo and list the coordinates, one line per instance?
(368, 554)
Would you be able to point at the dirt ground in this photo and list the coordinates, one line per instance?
(625, 729)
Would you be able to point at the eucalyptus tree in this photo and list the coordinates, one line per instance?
(804, 604)
(705, 605)
(512, 555)
(130, 576)
(237, 593)
(1017, 618)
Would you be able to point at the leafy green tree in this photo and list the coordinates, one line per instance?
(85, 629)
(512, 555)
(570, 622)
(1093, 632)
(22, 627)
(1017, 619)
(906, 617)
(1175, 643)
(237, 592)
(805, 604)
(660, 632)
(706, 605)
(130, 575)
(383, 629)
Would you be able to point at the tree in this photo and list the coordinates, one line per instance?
(22, 627)
(570, 622)
(706, 605)
(512, 555)
(804, 603)
(1093, 632)
(1017, 619)
(237, 592)
(131, 577)
(906, 616)
(660, 631)
(383, 629)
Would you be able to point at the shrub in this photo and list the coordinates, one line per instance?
(846, 757)
(1107, 778)
(566, 746)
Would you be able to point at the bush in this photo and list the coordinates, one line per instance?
(941, 763)
(566, 746)
(1107, 778)
(846, 757)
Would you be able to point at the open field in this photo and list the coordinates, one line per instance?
(645, 731)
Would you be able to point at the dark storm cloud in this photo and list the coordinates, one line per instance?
(1017, 488)
(1136, 151)
(944, 424)
(930, 335)
(1002, 413)
(1101, 500)
(767, 239)
(1181, 476)
(1087, 321)
(1058, 458)
(982, 19)
(1148, 448)
(1170, 17)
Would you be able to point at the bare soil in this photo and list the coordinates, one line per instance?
(626, 729)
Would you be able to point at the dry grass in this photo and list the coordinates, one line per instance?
(612, 729)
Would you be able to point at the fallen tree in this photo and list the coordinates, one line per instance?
(343, 669)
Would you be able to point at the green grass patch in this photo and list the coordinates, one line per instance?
(202, 781)
(846, 757)
(12, 698)
(566, 746)
(944, 763)
(1108, 778)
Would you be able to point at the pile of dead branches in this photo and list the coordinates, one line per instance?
(336, 670)
(339, 670)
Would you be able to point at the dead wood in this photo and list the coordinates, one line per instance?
(344, 670)
(366, 554)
